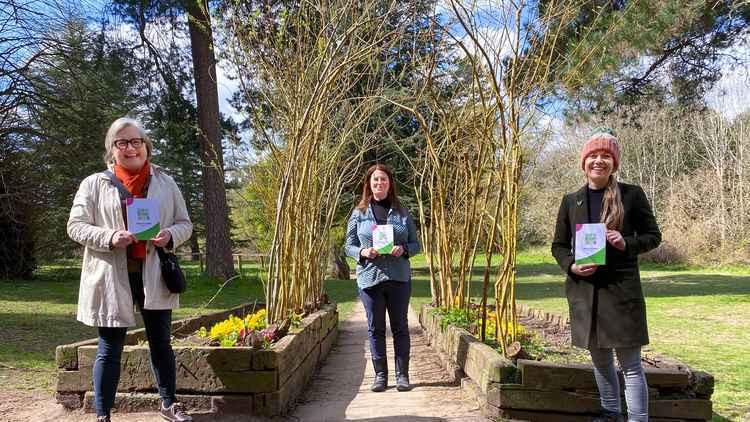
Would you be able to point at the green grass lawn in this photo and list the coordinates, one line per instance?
(37, 315)
(699, 316)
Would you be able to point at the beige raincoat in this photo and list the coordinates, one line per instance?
(104, 298)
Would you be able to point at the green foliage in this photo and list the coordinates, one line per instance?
(17, 248)
(171, 122)
(398, 142)
(253, 206)
(172, 127)
(659, 49)
(456, 316)
(229, 341)
(295, 319)
(81, 88)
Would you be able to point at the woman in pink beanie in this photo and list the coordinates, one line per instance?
(606, 303)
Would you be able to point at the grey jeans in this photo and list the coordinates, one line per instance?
(636, 389)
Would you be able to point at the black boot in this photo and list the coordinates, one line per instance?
(402, 374)
(381, 375)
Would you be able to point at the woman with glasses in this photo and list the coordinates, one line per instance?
(120, 271)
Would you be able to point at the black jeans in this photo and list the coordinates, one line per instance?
(392, 296)
(158, 324)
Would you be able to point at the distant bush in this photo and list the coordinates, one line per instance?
(666, 253)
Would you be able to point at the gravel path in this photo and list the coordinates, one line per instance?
(340, 391)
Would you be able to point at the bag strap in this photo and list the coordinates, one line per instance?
(125, 194)
(121, 189)
(163, 254)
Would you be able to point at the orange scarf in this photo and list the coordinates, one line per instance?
(135, 182)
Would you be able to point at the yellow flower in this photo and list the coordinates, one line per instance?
(227, 332)
(224, 328)
(256, 321)
(504, 325)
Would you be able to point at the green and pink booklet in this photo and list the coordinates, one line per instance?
(143, 217)
(591, 244)
(382, 238)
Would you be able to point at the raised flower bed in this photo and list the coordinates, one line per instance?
(543, 391)
(211, 380)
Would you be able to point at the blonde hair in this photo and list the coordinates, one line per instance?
(116, 126)
(613, 212)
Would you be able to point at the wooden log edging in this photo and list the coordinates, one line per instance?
(212, 380)
(560, 320)
(543, 391)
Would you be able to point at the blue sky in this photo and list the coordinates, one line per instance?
(728, 96)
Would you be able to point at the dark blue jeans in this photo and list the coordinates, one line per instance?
(392, 296)
(158, 324)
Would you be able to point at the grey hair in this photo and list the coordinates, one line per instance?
(116, 126)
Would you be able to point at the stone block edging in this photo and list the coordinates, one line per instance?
(222, 380)
(543, 391)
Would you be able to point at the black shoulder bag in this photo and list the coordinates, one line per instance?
(170, 267)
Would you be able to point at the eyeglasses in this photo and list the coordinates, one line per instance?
(123, 143)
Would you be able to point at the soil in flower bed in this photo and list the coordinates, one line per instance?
(542, 340)
(555, 347)
(548, 340)
(551, 343)
(193, 340)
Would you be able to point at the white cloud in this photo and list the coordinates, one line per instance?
(444, 6)
(227, 87)
(492, 23)
(730, 94)
(496, 42)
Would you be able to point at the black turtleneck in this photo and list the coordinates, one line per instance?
(596, 199)
(380, 209)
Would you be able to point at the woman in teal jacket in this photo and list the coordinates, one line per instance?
(384, 280)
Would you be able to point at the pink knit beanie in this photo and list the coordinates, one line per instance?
(602, 141)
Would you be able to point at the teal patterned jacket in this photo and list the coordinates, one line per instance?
(385, 267)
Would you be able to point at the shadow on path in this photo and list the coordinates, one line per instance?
(340, 389)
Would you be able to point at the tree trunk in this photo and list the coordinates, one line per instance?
(338, 268)
(195, 249)
(218, 243)
(516, 351)
(17, 248)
